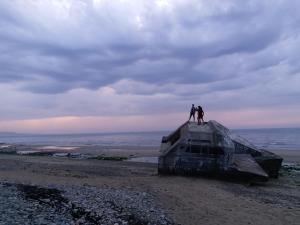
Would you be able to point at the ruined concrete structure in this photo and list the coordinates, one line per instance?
(213, 148)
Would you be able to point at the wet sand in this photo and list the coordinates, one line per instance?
(187, 200)
(289, 156)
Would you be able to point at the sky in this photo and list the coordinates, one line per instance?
(74, 66)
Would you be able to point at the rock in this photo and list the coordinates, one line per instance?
(61, 154)
(45, 200)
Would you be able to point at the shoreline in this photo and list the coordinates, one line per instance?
(289, 156)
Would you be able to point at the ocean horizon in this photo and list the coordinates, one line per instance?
(267, 138)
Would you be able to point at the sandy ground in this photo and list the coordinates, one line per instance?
(187, 200)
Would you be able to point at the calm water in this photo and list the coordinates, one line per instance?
(286, 138)
(279, 138)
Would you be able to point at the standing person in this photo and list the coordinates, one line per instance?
(200, 115)
(192, 112)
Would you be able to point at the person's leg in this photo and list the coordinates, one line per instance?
(200, 120)
(194, 117)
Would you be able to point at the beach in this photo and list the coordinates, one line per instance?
(176, 199)
(149, 112)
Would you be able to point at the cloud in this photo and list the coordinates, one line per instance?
(90, 57)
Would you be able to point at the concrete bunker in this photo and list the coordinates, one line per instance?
(213, 148)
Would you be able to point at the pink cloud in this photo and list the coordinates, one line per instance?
(70, 124)
(244, 118)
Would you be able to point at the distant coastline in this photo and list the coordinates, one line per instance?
(268, 138)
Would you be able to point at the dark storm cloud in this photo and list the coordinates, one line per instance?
(226, 54)
(91, 47)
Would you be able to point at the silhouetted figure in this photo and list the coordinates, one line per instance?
(200, 114)
(192, 112)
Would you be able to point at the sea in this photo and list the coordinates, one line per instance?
(270, 139)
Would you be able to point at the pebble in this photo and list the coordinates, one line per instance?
(82, 205)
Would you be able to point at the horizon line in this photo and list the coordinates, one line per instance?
(127, 132)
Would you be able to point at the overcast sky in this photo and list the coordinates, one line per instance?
(126, 65)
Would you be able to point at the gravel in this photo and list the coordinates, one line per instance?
(25, 204)
(15, 209)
